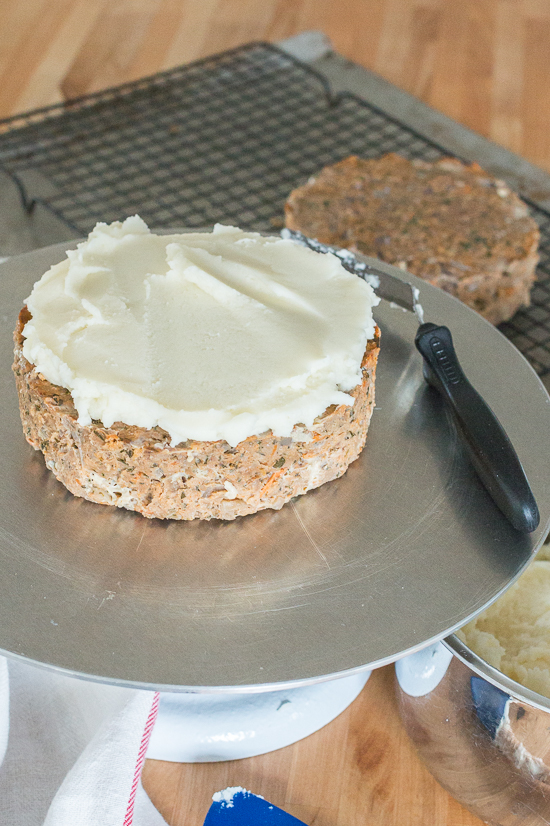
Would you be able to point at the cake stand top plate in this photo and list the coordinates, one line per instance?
(401, 551)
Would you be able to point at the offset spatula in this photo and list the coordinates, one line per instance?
(239, 807)
(489, 448)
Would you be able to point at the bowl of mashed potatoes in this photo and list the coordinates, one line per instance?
(477, 707)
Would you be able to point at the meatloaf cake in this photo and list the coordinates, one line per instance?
(447, 222)
(148, 469)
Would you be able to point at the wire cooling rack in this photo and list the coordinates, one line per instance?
(222, 140)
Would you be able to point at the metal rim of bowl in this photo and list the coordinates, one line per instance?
(493, 675)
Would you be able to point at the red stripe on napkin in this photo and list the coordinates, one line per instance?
(147, 731)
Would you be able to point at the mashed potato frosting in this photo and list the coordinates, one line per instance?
(513, 634)
(211, 336)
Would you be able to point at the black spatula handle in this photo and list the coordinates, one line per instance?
(489, 448)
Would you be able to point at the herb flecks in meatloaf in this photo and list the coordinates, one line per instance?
(138, 469)
(453, 225)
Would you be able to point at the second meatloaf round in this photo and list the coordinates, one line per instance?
(447, 222)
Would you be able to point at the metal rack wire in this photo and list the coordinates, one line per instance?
(222, 140)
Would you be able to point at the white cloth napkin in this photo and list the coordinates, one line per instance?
(72, 751)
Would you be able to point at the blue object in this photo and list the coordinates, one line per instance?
(238, 807)
(489, 702)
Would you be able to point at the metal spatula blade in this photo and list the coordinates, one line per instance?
(487, 444)
(387, 286)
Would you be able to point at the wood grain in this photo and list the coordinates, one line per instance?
(482, 62)
(359, 769)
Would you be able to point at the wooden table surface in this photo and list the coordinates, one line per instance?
(359, 770)
(485, 63)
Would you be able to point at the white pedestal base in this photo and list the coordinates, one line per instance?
(203, 728)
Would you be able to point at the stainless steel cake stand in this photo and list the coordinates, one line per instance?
(401, 551)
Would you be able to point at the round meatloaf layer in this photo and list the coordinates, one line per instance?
(138, 469)
(448, 223)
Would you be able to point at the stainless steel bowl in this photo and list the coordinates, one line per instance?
(484, 737)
